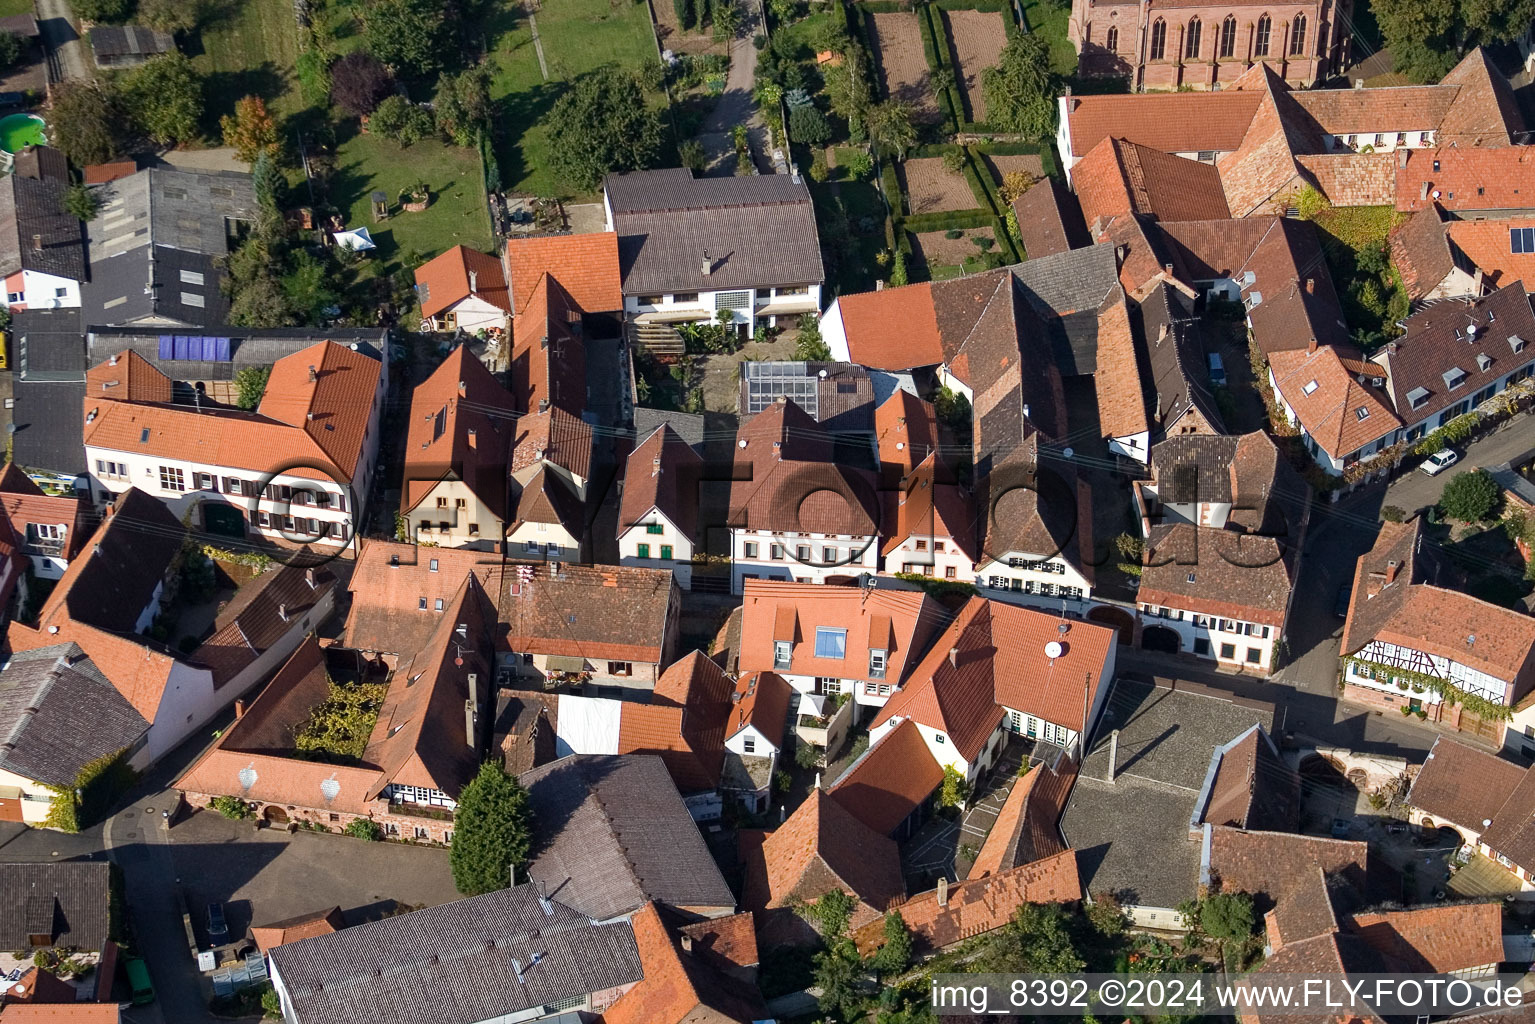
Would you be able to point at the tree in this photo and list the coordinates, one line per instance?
(809, 347)
(1037, 941)
(165, 94)
(692, 155)
(358, 82)
(836, 974)
(898, 269)
(409, 36)
(683, 9)
(86, 122)
(402, 121)
(895, 955)
(79, 201)
(1470, 497)
(257, 298)
(111, 12)
(268, 184)
(955, 790)
(1106, 915)
(250, 385)
(1227, 915)
(725, 17)
(10, 49)
(463, 105)
(602, 125)
(807, 125)
(1021, 89)
(890, 126)
(308, 288)
(491, 833)
(847, 88)
(1428, 37)
(250, 131)
(171, 15)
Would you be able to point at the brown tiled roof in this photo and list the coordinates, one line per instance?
(127, 377)
(1253, 788)
(785, 478)
(1435, 940)
(1218, 572)
(1170, 122)
(1049, 219)
(663, 473)
(980, 905)
(391, 581)
(1279, 867)
(321, 922)
(928, 502)
(892, 329)
(686, 723)
(761, 700)
(724, 942)
(1351, 179)
(1118, 382)
(1118, 177)
(24, 509)
(1484, 111)
(444, 280)
(1463, 179)
(1420, 249)
(1485, 244)
(1401, 108)
(1473, 336)
(586, 265)
(548, 365)
(679, 986)
(547, 498)
(554, 436)
(460, 428)
(820, 848)
(1028, 824)
(890, 780)
(1036, 508)
(524, 730)
(1512, 832)
(1180, 378)
(100, 174)
(62, 1013)
(775, 610)
(260, 615)
(1462, 785)
(1000, 662)
(601, 613)
(906, 431)
(1330, 411)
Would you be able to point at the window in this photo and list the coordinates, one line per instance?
(447, 837)
(830, 643)
(826, 684)
(828, 555)
(1310, 387)
(620, 668)
(877, 663)
(474, 529)
(15, 297)
(749, 549)
(459, 502)
(1361, 413)
(802, 552)
(1261, 39)
(937, 545)
(649, 300)
(1521, 240)
(1158, 39)
(437, 605)
(1454, 377)
(775, 552)
(1191, 48)
(172, 479)
(442, 502)
(666, 551)
(949, 572)
(531, 547)
(921, 545)
(206, 482)
(1228, 651)
(432, 565)
(654, 528)
(111, 470)
(685, 297)
(262, 519)
(1111, 41)
(422, 605)
(1229, 36)
(1254, 656)
(1298, 36)
(1202, 645)
(390, 828)
(749, 745)
(781, 653)
(420, 832)
(733, 300)
(939, 737)
(643, 550)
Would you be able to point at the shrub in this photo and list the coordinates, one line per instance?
(1227, 915)
(1393, 514)
(859, 166)
(954, 233)
(955, 790)
(806, 755)
(684, 11)
(80, 202)
(818, 170)
(808, 126)
(358, 83)
(232, 807)
(782, 780)
(985, 242)
(250, 385)
(491, 831)
(337, 728)
(364, 828)
(10, 49)
(400, 120)
(1470, 496)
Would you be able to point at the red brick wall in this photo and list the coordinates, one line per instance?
(336, 821)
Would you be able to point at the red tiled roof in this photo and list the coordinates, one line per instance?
(1496, 640)
(1466, 178)
(1438, 940)
(663, 473)
(391, 580)
(1217, 572)
(460, 428)
(929, 503)
(305, 926)
(763, 703)
(586, 265)
(892, 779)
(980, 905)
(548, 364)
(128, 377)
(1330, 410)
(1170, 122)
(554, 436)
(1486, 244)
(1121, 393)
(1118, 177)
(100, 174)
(905, 429)
(1461, 785)
(61, 1013)
(892, 329)
(24, 510)
(1028, 824)
(786, 478)
(444, 281)
(724, 942)
(686, 723)
(678, 986)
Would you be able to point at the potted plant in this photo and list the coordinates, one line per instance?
(415, 198)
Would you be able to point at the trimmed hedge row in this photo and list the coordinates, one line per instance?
(949, 99)
(947, 219)
(892, 185)
(882, 6)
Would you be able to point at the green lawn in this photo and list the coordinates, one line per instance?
(577, 36)
(457, 215)
(1049, 20)
(10, 7)
(248, 48)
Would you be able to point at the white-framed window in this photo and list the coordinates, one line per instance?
(421, 832)
(827, 685)
(111, 470)
(877, 663)
(45, 531)
(172, 479)
(782, 653)
(749, 745)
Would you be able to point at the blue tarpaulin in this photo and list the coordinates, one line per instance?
(184, 346)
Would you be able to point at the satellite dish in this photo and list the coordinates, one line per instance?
(1068, 452)
(458, 662)
(1054, 649)
(1471, 329)
(741, 443)
(822, 374)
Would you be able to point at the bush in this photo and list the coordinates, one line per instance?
(954, 233)
(10, 49)
(314, 79)
(684, 11)
(808, 126)
(111, 12)
(859, 166)
(818, 170)
(232, 807)
(400, 120)
(1470, 496)
(358, 83)
(955, 790)
(806, 755)
(80, 202)
(364, 828)
(1393, 514)
(1227, 915)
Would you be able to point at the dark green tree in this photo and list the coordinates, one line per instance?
(413, 37)
(256, 294)
(171, 15)
(463, 105)
(400, 120)
(1037, 940)
(111, 12)
(1021, 89)
(807, 125)
(250, 385)
(165, 96)
(1227, 915)
(491, 831)
(891, 127)
(895, 955)
(10, 49)
(837, 968)
(1470, 496)
(308, 288)
(1429, 37)
(358, 82)
(683, 9)
(87, 122)
(79, 201)
(602, 125)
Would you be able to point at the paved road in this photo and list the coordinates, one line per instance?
(1416, 490)
(66, 53)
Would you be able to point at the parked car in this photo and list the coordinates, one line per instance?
(1340, 601)
(1217, 370)
(218, 928)
(1439, 461)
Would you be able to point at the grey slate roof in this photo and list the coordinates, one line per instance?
(1065, 290)
(611, 833)
(460, 963)
(157, 282)
(247, 347)
(1132, 835)
(129, 40)
(59, 713)
(759, 232)
(48, 344)
(1177, 356)
(194, 211)
(688, 425)
(49, 433)
(67, 901)
(35, 232)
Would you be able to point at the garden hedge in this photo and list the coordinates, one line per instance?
(946, 219)
(894, 197)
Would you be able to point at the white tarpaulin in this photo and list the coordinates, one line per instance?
(587, 725)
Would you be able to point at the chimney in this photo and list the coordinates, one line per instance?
(1391, 570)
(239, 710)
(943, 890)
(655, 466)
(282, 612)
(1476, 283)
(469, 721)
(313, 376)
(112, 361)
(708, 267)
(474, 282)
(954, 657)
(1113, 754)
(37, 243)
(309, 578)
(687, 943)
(1311, 345)
(474, 440)
(1310, 286)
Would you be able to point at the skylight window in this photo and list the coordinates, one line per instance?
(830, 643)
(1361, 413)
(1311, 385)
(1454, 377)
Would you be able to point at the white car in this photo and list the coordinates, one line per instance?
(1439, 462)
